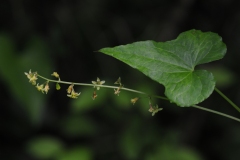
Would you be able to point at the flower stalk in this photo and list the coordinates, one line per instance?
(44, 88)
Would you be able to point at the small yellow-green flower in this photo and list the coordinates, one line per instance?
(118, 81)
(55, 74)
(70, 88)
(117, 91)
(31, 76)
(46, 88)
(134, 100)
(73, 94)
(40, 88)
(43, 88)
(98, 82)
(154, 109)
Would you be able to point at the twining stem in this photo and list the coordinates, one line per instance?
(216, 112)
(155, 96)
(227, 99)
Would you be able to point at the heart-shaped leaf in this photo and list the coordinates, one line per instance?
(172, 63)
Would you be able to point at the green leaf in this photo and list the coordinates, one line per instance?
(173, 63)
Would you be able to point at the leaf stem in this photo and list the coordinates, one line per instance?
(216, 112)
(227, 99)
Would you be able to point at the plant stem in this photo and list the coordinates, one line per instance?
(227, 99)
(155, 96)
(216, 112)
(103, 86)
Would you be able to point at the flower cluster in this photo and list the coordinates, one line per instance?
(44, 88)
(32, 76)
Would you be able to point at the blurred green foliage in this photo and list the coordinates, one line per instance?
(51, 148)
(12, 66)
(45, 147)
(48, 36)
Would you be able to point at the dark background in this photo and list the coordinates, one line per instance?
(47, 36)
